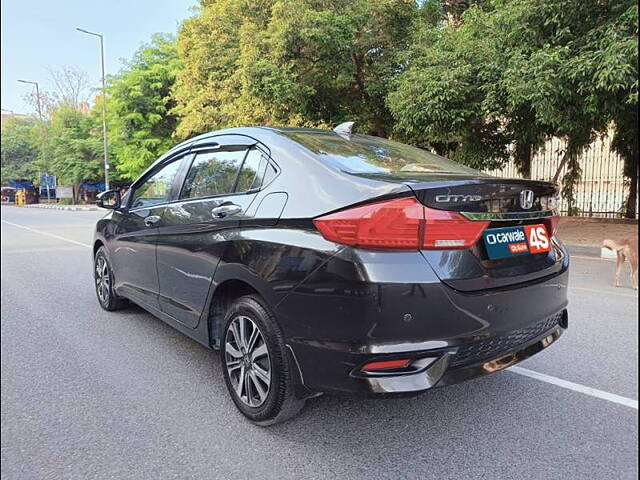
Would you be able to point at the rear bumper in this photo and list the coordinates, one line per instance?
(504, 360)
(334, 330)
(341, 374)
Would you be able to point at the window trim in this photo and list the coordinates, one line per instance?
(267, 162)
(179, 157)
(223, 148)
(192, 150)
(163, 160)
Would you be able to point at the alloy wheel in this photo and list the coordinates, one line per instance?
(103, 280)
(247, 361)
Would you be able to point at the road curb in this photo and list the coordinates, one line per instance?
(596, 252)
(76, 208)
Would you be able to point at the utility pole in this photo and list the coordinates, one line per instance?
(39, 106)
(104, 107)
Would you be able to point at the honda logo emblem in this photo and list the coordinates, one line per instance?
(526, 199)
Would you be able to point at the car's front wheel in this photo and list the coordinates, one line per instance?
(257, 371)
(103, 277)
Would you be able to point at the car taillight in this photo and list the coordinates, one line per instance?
(402, 223)
(389, 224)
(450, 230)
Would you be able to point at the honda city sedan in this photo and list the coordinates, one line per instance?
(331, 262)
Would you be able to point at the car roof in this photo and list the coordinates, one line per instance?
(261, 133)
(269, 136)
(256, 131)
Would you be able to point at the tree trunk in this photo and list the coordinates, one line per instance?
(563, 162)
(630, 211)
(76, 193)
(453, 10)
(358, 64)
(625, 143)
(523, 156)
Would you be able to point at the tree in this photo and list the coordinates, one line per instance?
(606, 68)
(72, 87)
(518, 72)
(48, 103)
(75, 147)
(547, 44)
(19, 152)
(139, 105)
(280, 62)
(445, 99)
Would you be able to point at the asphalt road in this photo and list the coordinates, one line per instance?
(91, 394)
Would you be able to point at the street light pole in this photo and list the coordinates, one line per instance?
(104, 107)
(41, 129)
(37, 95)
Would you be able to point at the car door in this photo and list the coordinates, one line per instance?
(133, 255)
(219, 186)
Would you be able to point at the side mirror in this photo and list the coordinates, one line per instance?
(109, 199)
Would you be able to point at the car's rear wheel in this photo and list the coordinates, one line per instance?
(256, 369)
(103, 277)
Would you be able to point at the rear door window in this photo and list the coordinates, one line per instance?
(252, 171)
(212, 173)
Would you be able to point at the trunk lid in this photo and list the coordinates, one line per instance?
(485, 195)
(503, 203)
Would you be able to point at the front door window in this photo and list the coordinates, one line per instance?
(157, 188)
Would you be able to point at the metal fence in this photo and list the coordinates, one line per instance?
(602, 190)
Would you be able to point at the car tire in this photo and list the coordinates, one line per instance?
(247, 365)
(103, 281)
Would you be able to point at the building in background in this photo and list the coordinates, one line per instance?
(9, 115)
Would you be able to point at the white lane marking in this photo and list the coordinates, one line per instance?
(606, 292)
(29, 251)
(584, 257)
(576, 387)
(52, 235)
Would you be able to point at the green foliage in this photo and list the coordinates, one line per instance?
(516, 72)
(285, 62)
(607, 66)
(139, 106)
(19, 152)
(75, 147)
(445, 98)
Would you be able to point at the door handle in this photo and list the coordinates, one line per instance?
(151, 220)
(224, 211)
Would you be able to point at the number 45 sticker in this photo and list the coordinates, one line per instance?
(538, 238)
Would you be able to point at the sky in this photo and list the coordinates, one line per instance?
(40, 35)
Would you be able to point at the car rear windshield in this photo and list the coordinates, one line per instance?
(361, 154)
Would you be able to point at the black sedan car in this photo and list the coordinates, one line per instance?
(330, 262)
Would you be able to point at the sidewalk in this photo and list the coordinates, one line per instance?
(55, 206)
(584, 236)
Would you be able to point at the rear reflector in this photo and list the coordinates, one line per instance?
(402, 223)
(554, 225)
(386, 365)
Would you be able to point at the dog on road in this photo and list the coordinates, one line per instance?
(626, 249)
